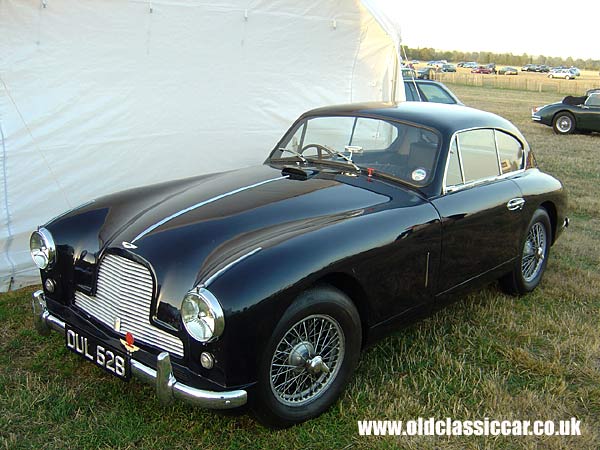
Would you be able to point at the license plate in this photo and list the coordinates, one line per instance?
(111, 360)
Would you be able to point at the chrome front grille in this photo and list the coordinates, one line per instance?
(124, 294)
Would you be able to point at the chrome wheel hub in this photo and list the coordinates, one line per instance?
(301, 354)
(564, 124)
(307, 360)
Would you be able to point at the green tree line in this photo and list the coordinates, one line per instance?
(427, 54)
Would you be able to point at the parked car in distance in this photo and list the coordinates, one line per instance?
(265, 283)
(426, 73)
(567, 74)
(482, 69)
(575, 71)
(408, 73)
(572, 114)
(429, 91)
(470, 65)
(448, 68)
(530, 68)
(543, 68)
(437, 64)
(507, 70)
(492, 67)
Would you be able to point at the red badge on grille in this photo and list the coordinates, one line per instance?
(128, 343)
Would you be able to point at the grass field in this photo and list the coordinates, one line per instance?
(487, 355)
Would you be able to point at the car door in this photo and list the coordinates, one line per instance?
(589, 118)
(480, 208)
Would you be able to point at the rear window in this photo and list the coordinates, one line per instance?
(434, 93)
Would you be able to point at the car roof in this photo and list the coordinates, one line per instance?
(447, 119)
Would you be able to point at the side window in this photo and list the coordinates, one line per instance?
(434, 93)
(478, 154)
(510, 152)
(409, 90)
(453, 175)
(593, 100)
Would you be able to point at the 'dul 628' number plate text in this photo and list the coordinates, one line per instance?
(111, 360)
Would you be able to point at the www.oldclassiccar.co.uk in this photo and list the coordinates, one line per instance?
(484, 427)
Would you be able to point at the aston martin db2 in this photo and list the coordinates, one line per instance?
(262, 285)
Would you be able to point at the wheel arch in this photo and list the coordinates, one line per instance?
(355, 292)
(565, 111)
(553, 214)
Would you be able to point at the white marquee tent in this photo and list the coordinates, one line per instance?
(102, 95)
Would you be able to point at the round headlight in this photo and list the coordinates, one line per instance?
(43, 250)
(202, 315)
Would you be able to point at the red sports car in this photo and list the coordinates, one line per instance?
(482, 69)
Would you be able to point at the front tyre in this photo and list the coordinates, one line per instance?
(529, 267)
(563, 123)
(309, 358)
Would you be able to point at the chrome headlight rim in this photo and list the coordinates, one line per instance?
(201, 294)
(43, 256)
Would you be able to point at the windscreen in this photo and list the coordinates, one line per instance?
(400, 150)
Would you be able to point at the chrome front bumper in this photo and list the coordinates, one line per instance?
(167, 387)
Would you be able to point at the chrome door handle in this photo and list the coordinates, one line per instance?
(515, 204)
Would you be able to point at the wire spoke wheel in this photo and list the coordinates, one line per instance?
(307, 360)
(564, 124)
(534, 252)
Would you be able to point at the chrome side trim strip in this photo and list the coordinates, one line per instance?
(166, 385)
(221, 271)
(427, 271)
(202, 203)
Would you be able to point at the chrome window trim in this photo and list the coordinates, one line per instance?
(449, 189)
(460, 161)
(497, 153)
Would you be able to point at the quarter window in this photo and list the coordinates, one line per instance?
(453, 176)
(510, 152)
(478, 154)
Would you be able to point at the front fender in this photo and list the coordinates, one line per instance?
(256, 292)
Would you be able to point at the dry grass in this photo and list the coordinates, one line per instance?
(488, 355)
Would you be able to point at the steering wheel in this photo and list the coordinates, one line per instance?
(320, 148)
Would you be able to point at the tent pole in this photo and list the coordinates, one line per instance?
(395, 77)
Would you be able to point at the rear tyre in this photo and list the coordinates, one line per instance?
(563, 123)
(530, 266)
(309, 358)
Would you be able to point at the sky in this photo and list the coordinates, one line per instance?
(549, 28)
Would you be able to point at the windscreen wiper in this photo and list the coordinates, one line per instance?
(335, 152)
(294, 152)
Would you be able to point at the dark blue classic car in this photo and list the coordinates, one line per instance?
(262, 285)
(581, 114)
